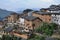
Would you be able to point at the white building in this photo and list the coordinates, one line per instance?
(56, 18)
(21, 20)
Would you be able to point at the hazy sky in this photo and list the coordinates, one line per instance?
(14, 5)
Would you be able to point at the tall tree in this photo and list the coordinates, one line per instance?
(27, 10)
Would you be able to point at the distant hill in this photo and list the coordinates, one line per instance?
(4, 13)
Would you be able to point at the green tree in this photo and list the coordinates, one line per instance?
(54, 26)
(27, 10)
(14, 38)
(46, 28)
(3, 37)
(36, 37)
(0, 38)
(8, 37)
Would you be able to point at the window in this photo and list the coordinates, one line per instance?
(33, 24)
(55, 14)
(26, 29)
(27, 24)
(29, 27)
(42, 14)
(49, 19)
(57, 20)
(49, 15)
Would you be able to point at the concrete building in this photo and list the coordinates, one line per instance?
(52, 8)
(56, 18)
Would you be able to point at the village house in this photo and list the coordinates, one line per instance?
(56, 18)
(13, 18)
(8, 30)
(1, 24)
(44, 9)
(45, 13)
(52, 8)
(26, 14)
(44, 16)
(30, 21)
(5, 20)
(23, 14)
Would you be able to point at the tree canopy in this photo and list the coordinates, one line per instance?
(46, 28)
(36, 37)
(8, 37)
(27, 10)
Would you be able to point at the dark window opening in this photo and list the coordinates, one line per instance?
(49, 19)
(33, 25)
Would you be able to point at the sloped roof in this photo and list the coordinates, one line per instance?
(42, 12)
(31, 18)
(49, 13)
(9, 29)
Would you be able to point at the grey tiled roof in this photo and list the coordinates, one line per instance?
(29, 17)
(49, 13)
(42, 12)
(52, 8)
(44, 9)
(9, 29)
(13, 13)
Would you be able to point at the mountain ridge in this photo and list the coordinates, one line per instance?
(4, 13)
